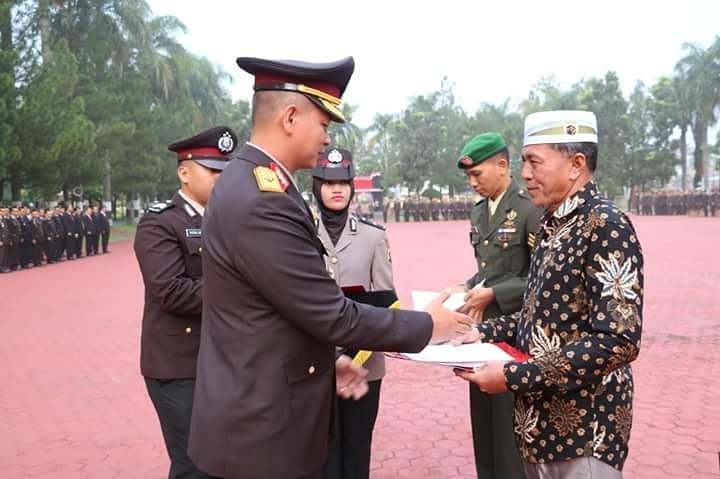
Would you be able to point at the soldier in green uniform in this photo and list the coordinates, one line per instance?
(502, 234)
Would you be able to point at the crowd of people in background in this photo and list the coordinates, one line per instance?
(31, 237)
(676, 202)
(416, 209)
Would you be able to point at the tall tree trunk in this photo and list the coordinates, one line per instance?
(44, 27)
(683, 155)
(2, 189)
(15, 187)
(107, 179)
(700, 131)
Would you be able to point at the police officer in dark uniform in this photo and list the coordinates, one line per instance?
(36, 237)
(15, 239)
(77, 230)
(168, 249)
(59, 232)
(49, 233)
(272, 316)
(90, 231)
(4, 240)
(104, 228)
(68, 225)
(502, 235)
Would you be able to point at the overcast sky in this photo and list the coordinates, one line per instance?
(489, 50)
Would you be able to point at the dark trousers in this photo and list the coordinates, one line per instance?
(90, 245)
(70, 246)
(173, 400)
(96, 243)
(37, 254)
(78, 245)
(105, 235)
(496, 453)
(349, 455)
(49, 247)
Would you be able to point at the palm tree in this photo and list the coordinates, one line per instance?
(701, 68)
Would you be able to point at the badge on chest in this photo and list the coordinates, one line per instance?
(193, 233)
(508, 228)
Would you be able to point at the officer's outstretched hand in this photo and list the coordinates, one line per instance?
(447, 324)
(350, 379)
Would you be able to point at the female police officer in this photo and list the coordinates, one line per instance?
(357, 255)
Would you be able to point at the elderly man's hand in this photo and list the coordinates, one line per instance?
(350, 379)
(489, 377)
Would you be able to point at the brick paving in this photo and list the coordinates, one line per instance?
(72, 403)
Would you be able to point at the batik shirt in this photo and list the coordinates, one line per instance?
(580, 323)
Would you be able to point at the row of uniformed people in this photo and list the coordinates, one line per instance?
(676, 202)
(425, 209)
(30, 237)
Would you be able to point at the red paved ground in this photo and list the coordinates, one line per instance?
(72, 403)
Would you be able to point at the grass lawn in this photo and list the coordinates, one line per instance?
(122, 231)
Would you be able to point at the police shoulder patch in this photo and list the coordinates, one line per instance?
(160, 206)
(371, 223)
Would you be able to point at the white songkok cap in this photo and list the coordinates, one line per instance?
(560, 127)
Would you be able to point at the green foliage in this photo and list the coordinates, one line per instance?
(91, 91)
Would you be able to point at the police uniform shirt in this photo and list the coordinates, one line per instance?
(168, 246)
(361, 257)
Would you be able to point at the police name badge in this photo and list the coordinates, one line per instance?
(193, 233)
(267, 179)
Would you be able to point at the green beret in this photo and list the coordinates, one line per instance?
(480, 148)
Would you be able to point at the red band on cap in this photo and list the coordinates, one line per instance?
(267, 79)
(205, 152)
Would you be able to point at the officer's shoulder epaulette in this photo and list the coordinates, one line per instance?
(371, 223)
(161, 206)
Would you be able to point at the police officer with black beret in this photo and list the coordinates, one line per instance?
(168, 249)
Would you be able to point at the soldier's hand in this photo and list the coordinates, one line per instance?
(350, 379)
(472, 336)
(457, 288)
(446, 324)
(478, 298)
(476, 315)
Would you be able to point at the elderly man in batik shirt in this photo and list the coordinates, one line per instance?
(581, 317)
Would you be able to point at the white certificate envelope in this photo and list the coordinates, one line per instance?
(463, 355)
(421, 299)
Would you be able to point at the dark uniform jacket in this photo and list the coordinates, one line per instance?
(503, 245)
(271, 317)
(88, 224)
(168, 248)
(102, 222)
(581, 323)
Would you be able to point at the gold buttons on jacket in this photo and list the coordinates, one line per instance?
(188, 330)
(311, 370)
(486, 242)
(334, 260)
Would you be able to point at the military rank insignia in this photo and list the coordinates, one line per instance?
(531, 241)
(267, 179)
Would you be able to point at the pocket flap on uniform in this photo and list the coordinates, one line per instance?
(309, 364)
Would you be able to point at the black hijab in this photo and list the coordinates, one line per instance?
(334, 221)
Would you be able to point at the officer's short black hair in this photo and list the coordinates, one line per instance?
(589, 150)
(504, 153)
